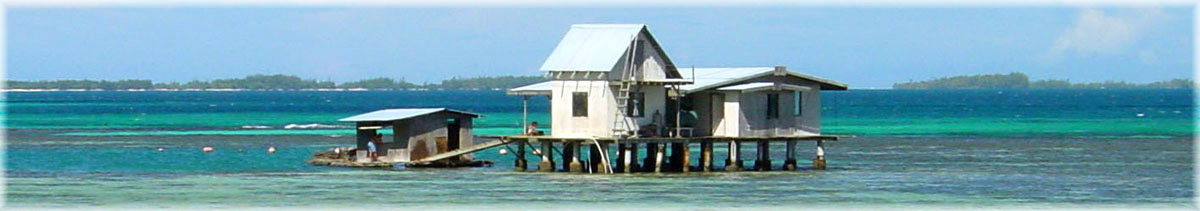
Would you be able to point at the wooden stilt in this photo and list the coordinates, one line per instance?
(648, 162)
(620, 159)
(566, 155)
(594, 158)
(519, 164)
(605, 164)
(575, 166)
(631, 161)
(819, 162)
(627, 159)
(658, 157)
(547, 164)
(685, 163)
(790, 163)
(763, 163)
(675, 160)
(731, 162)
(706, 148)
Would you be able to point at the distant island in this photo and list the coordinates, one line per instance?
(1021, 81)
(276, 82)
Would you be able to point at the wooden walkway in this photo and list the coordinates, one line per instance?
(473, 148)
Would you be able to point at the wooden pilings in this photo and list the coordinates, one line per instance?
(679, 157)
(732, 163)
(520, 163)
(706, 156)
(819, 162)
(790, 163)
(659, 151)
(661, 155)
(547, 164)
(763, 162)
(574, 166)
(627, 158)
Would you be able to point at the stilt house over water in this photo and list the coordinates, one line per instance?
(612, 80)
(614, 84)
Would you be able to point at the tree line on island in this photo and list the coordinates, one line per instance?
(280, 82)
(1021, 81)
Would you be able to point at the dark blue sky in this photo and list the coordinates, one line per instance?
(865, 47)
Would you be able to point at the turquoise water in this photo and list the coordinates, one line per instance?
(1077, 148)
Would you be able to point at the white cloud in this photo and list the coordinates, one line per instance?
(1098, 32)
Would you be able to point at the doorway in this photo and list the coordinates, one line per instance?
(452, 133)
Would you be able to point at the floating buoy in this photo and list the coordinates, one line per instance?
(160, 149)
(270, 149)
(208, 149)
(503, 151)
(537, 152)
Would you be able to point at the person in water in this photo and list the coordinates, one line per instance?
(532, 129)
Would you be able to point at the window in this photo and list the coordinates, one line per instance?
(772, 105)
(799, 105)
(636, 106)
(579, 104)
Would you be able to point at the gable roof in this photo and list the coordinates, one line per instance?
(399, 114)
(710, 78)
(598, 47)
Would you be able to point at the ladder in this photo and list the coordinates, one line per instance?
(621, 120)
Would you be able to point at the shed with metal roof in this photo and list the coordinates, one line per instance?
(416, 133)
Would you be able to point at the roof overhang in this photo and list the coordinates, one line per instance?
(543, 88)
(387, 115)
(825, 84)
(763, 86)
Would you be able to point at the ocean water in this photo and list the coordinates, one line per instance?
(978, 148)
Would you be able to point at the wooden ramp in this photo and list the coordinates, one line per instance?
(474, 148)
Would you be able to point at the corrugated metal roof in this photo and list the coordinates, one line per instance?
(709, 78)
(542, 88)
(747, 86)
(592, 47)
(761, 86)
(398, 114)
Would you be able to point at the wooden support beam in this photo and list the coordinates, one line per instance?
(732, 163)
(606, 161)
(620, 159)
(574, 165)
(706, 156)
(763, 163)
(547, 164)
(631, 158)
(520, 163)
(658, 157)
(565, 155)
(685, 157)
(819, 162)
(594, 158)
(790, 163)
(648, 163)
(675, 160)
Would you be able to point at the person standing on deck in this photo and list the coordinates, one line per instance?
(371, 147)
(659, 122)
